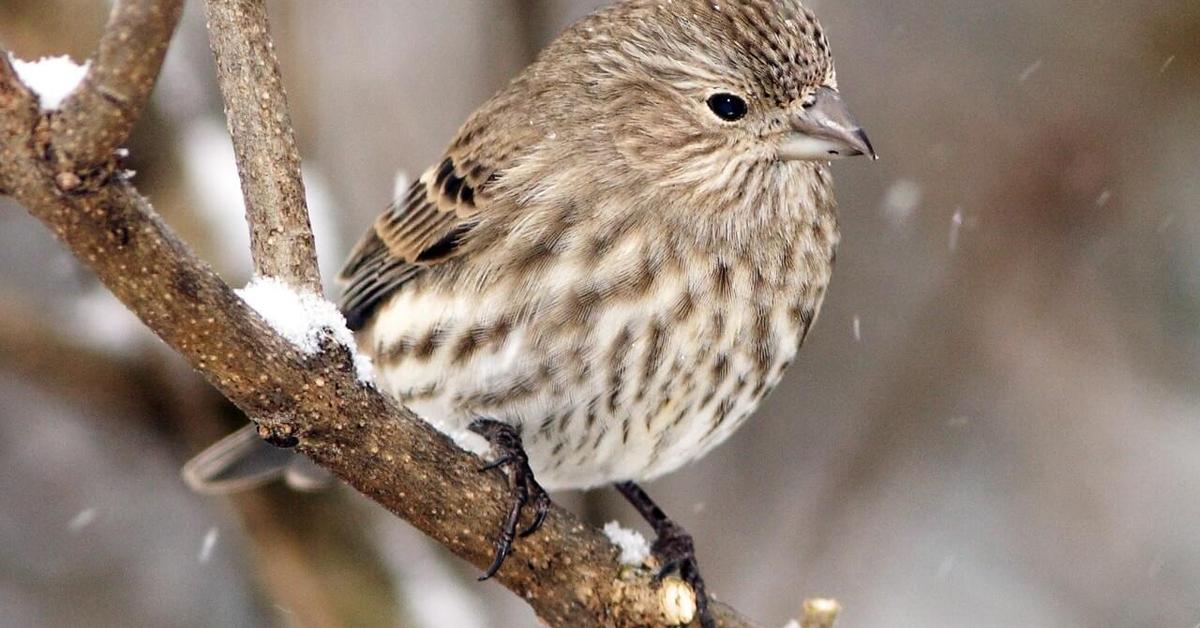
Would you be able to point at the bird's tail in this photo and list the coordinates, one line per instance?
(242, 461)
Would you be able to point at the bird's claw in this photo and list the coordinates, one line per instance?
(676, 553)
(525, 489)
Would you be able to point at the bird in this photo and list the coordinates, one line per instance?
(618, 255)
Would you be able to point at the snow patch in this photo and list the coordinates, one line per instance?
(634, 548)
(207, 545)
(901, 200)
(956, 223)
(1029, 71)
(82, 520)
(304, 319)
(51, 78)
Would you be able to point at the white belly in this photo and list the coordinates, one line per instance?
(642, 387)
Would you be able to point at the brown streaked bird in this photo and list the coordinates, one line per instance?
(619, 254)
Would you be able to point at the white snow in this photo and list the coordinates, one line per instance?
(956, 223)
(207, 545)
(1029, 71)
(303, 319)
(82, 520)
(634, 548)
(901, 200)
(792, 624)
(51, 78)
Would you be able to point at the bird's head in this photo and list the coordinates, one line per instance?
(693, 88)
(708, 99)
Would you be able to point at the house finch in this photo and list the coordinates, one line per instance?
(620, 252)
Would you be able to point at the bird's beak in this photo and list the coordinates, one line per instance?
(824, 131)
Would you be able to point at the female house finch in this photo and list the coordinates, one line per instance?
(620, 252)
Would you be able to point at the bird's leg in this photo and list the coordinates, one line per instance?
(510, 455)
(673, 546)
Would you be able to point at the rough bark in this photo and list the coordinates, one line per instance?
(99, 116)
(281, 239)
(567, 572)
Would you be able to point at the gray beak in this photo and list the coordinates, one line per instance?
(824, 131)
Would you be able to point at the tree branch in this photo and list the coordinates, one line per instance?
(98, 117)
(568, 572)
(12, 95)
(281, 239)
(294, 539)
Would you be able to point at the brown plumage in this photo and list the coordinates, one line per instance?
(620, 252)
(599, 256)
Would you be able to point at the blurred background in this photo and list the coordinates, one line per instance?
(995, 423)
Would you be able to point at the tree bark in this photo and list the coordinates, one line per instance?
(281, 238)
(100, 114)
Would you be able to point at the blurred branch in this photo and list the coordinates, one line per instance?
(281, 239)
(568, 572)
(98, 117)
(820, 613)
(31, 348)
(291, 547)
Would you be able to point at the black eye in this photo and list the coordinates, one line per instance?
(728, 107)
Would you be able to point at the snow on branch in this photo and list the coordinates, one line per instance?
(634, 547)
(95, 119)
(52, 79)
(305, 319)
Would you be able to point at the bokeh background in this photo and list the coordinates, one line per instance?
(995, 423)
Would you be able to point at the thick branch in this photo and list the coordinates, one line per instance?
(98, 117)
(567, 572)
(13, 95)
(281, 240)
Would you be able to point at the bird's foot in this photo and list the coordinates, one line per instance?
(525, 490)
(676, 553)
(673, 547)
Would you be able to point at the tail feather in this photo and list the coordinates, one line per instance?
(242, 461)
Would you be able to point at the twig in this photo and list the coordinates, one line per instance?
(568, 572)
(820, 613)
(98, 117)
(281, 239)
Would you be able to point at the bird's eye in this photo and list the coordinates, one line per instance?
(728, 107)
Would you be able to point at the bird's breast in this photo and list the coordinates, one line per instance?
(619, 360)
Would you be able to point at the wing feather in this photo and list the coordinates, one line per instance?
(428, 226)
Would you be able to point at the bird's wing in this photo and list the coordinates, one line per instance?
(437, 219)
(428, 226)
